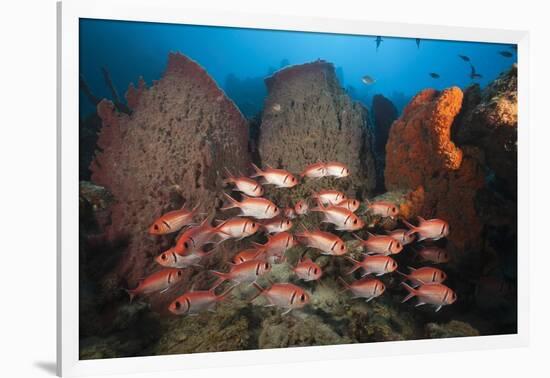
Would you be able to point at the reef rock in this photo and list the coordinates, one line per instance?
(171, 150)
(454, 328)
(308, 118)
(491, 122)
(422, 157)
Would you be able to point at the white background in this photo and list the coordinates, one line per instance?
(27, 209)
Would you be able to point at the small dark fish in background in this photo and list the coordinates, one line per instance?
(378, 42)
(368, 80)
(417, 43)
(464, 58)
(473, 74)
(506, 54)
(434, 75)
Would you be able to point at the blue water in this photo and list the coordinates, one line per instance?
(133, 49)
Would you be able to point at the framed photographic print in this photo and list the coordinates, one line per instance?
(250, 187)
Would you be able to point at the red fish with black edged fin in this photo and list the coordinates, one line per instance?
(329, 197)
(307, 270)
(284, 295)
(278, 177)
(194, 238)
(380, 245)
(337, 169)
(171, 259)
(350, 204)
(259, 208)
(173, 221)
(244, 185)
(315, 171)
(384, 209)
(195, 302)
(378, 265)
(342, 219)
(368, 288)
(159, 281)
(424, 275)
(403, 236)
(326, 242)
(237, 228)
(246, 272)
(435, 294)
(430, 229)
(276, 246)
(276, 225)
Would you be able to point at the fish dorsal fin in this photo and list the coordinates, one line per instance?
(411, 268)
(420, 219)
(219, 222)
(371, 235)
(245, 196)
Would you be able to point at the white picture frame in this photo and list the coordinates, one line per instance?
(69, 13)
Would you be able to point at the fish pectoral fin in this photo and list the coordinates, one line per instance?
(366, 274)
(420, 304)
(369, 299)
(438, 308)
(286, 312)
(164, 290)
(379, 274)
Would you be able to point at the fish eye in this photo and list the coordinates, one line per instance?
(177, 305)
(315, 271)
(186, 245)
(266, 266)
(342, 247)
(288, 222)
(163, 256)
(156, 227)
(355, 221)
(303, 297)
(179, 273)
(253, 224)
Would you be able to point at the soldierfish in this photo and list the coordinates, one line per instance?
(383, 208)
(173, 221)
(246, 272)
(276, 225)
(337, 169)
(435, 294)
(277, 245)
(378, 265)
(329, 197)
(380, 245)
(247, 255)
(194, 238)
(284, 295)
(315, 170)
(402, 236)
(327, 243)
(424, 275)
(172, 259)
(343, 219)
(434, 254)
(278, 177)
(368, 288)
(245, 185)
(307, 270)
(259, 208)
(350, 204)
(194, 302)
(157, 282)
(431, 229)
(237, 228)
(301, 207)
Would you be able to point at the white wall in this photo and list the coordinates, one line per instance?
(27, 210)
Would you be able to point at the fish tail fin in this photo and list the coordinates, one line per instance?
(412, 292)
(260, 291)
(356, 265)
(233, 203)
(131, 293)
(412, 227)
(259, 172)
(346, 285)
(405, 275)
(224, 295)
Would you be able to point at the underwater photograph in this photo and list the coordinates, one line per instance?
(248, 189)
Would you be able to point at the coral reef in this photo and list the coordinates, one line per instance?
(307, 118)
(454, 328)
(422, 157)
(171, 150)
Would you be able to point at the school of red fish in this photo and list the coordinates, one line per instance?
(259, 214)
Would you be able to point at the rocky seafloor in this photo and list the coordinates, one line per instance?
(450, 154)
